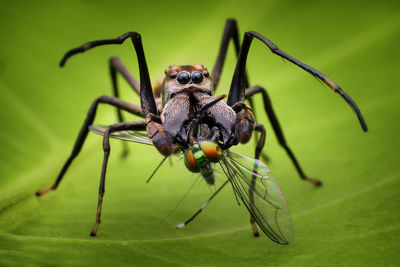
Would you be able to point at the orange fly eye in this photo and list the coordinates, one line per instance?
(212, 151)
(190, 161)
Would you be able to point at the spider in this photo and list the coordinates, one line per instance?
(182, 115)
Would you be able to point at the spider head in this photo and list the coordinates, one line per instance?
(186, 78)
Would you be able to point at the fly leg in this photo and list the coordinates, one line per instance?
(134, 109)
(138, 125)
(278, 130)
(181, 225)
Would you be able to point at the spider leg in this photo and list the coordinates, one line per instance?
(116, 66)
(278, 130)
(134, 109)
(146, 94)
(239, 82)
(260, 145)
(230, 32)
(137, 125)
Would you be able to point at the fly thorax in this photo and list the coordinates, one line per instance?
(200, 158)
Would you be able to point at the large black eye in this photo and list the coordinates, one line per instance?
(183, 78)
(197, 77)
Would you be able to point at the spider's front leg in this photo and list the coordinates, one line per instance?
(239, 81)
(147, 100)
(146, 94)
(239, 84)
(154, 126)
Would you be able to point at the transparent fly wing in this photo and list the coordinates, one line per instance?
(257, 188)
(133, 136)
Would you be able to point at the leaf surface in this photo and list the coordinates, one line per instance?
(352, 220)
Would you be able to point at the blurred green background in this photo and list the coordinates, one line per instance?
(352, 220)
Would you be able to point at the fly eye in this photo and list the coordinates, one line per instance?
(190, 161)
(197, 77)
(212, 150)
(183, 78)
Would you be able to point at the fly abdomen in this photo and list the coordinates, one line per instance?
(208, 173)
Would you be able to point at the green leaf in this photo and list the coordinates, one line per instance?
(352, 220)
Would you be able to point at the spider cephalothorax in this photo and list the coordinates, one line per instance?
(186, 88)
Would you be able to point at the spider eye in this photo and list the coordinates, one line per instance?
(183, 78)
(173, 75)
(197, 77)
(190, 161)
(212, 150)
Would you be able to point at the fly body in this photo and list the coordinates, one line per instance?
(199, 163)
